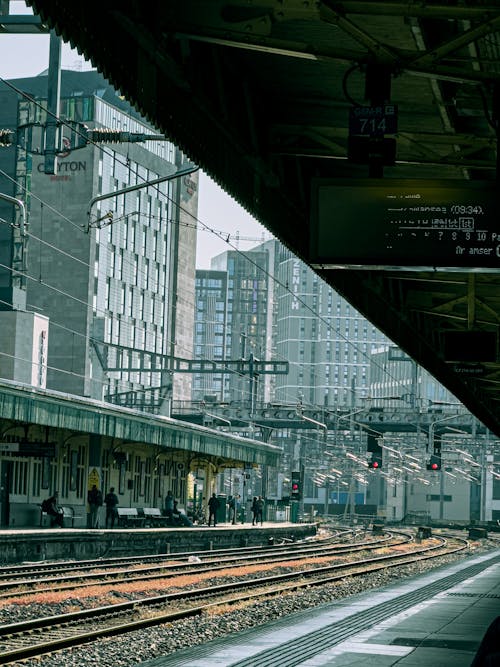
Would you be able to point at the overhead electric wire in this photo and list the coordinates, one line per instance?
(221, 235)
(156, 187)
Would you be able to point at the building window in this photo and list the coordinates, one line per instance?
(119, 265)
(141, 305)
(107, 297)
(122, 299)
(130, 302)
(135, 270)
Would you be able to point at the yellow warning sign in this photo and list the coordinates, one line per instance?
(94, 478)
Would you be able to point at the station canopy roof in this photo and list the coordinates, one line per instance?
(269, 96)
(62, 413)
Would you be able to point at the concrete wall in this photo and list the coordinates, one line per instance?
(22, 337)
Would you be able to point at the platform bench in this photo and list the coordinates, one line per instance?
(129, 516)
(68, 515)
(154, 517)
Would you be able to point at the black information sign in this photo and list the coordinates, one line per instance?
(393, 223)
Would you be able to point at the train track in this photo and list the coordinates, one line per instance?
(32, 569)
(42, 635)
(63, 577)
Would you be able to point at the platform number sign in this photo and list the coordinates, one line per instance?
(373, 121)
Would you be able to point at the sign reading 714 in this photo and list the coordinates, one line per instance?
(373, 121)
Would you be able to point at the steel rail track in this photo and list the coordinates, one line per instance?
(57, 567)
(165, 570)
(38, 636)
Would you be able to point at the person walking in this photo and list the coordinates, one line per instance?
(259, 513)
(94, 499)
(213, 505)
(111, 502)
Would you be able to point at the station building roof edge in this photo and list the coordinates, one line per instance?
(44, 407)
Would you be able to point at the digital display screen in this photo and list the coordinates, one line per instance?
(393, 223)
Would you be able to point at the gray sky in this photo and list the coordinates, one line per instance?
(28, 55)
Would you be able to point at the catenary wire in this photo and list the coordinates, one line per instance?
(206, 227)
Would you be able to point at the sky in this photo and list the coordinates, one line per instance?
(219, 214)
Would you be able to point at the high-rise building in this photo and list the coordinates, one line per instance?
(397, 380)
(337, 359)
(114, 278)
(249, 308)
(210, 332)
(327, 342)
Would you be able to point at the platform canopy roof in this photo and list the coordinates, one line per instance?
(267, 96)
(23, 405)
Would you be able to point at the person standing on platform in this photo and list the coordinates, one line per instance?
(111, 502)
(213, 505)
(231, 505)
(94, 499)
(169, 504)
(259, 510)
(253, 509)
(235, 508)
(51, 506)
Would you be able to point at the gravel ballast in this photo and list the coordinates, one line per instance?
(168, 638)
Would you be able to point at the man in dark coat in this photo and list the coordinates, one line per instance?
(94, 499)
(111, 501)
(213, 505)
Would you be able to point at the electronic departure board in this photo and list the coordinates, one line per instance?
(392, 223)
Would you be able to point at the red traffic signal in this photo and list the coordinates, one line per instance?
(434, 463)
(295, 486)
(375, 462)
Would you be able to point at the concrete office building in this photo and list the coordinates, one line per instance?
(278, 308)
(396, 380)
(284, 312)
(249, 315)
(116, 284)
(326, 340)
(210, 332)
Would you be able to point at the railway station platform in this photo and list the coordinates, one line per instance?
(437, 619)
(24, 545)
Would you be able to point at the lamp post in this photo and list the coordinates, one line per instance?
(441, 476)
(433, 424)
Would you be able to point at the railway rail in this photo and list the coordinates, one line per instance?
(63, 576)
(38, 636)
(9, 571)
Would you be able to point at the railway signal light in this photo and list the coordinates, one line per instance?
(296, 491)
(434, 463)
(374, 448)
(375, 462)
